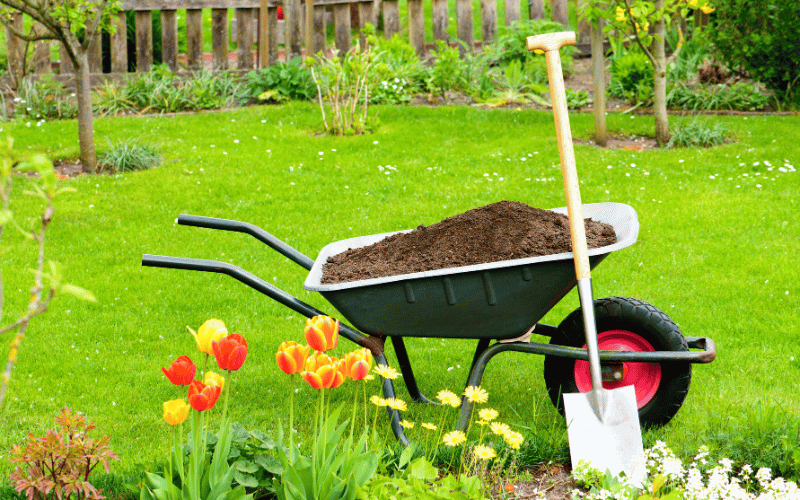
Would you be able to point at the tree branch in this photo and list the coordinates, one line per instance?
(636, 34)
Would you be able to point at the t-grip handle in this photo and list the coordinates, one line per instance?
(551, 41)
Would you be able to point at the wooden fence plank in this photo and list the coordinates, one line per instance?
(169, 38)
(440, 20)
(15, 49)
(488, 20)
(391, 18)
(536, 9)
(319, 29)
(416, 26)
(464, 23)
(119, 44)
(560, 12)
(292, 16)
(96, 54)
(244, 38)
(365, 15)
(40, 60)
(219, 38)
(308, 26)
(194, 39)
(512, 11)
(144, 41)
(341, 27)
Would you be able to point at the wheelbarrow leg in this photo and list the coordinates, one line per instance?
(394, 415)
(408, 374)
(483, 353)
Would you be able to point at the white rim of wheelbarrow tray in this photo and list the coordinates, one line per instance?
(623, 219)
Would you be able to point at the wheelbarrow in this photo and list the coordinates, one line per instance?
(501, 302)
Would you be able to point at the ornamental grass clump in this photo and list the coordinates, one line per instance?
(200, 475)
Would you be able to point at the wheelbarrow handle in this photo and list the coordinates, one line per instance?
(253, 230)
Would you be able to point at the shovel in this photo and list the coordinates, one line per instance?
(602, 425)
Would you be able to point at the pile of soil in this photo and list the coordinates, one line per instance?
(500, 231)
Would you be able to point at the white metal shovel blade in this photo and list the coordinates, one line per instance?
(603, 429)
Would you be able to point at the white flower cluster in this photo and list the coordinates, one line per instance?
(702, 480)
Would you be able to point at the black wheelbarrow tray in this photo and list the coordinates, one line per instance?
(501, 301)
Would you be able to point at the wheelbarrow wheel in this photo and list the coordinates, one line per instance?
(629, 325)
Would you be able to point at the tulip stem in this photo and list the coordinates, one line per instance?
(227, 395)
(353, 419)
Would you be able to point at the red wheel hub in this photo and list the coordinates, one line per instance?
(644, 377)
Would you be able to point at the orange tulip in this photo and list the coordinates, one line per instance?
(230, 352)
(203, 397)
(181, 371)
(323, 371)
(322, 333)
(357, 364)
(291, 357)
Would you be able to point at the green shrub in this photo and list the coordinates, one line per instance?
(741, 96)
(111, 99)
(129, 155)
(696, 134)
(280, 82)
(44, 99)
(447, 71)
(576, 99)
(760, 38)
(511, 43)
(396, 58)
(632, 77)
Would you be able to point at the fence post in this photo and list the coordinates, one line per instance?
(65, 66)
(194, 39)
(15, 49)
(366, 13)
(512, 11)
(244, 38)
(41, 56)
(536, 9)
(488, 20)
(291, 12)
(169, 39)
(341, 27)
(119, 45)
(584, 40)
(391, 18)
(416, 26)
(464, 23)
(440, 19)
(219, 38)
(560, 12)
(144, 41)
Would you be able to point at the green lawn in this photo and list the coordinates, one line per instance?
(717, 251)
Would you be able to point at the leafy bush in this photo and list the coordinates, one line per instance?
(511, 43)
(391, 91)
(111, 99)
(741, 96)
(396, 58)
(61, 461)
(696, 134)
(129, 155)
(577, 99)
(44, 98)
(280, 82)
(447, 70)
(760, 38)
(632, 77)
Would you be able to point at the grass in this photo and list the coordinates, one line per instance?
(718, 233)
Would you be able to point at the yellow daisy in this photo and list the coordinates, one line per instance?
(499, 428)
(406, 424)
(488, 414)
(430, 427)
(377, 401)
(396, 404)
(476, 395)
(513, 439)
(484, 452)
(448, 398)
(386, 371)
(454, 438)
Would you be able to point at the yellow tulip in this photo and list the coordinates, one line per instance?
(175, 411)
(212, 378)
(211, 331)
(707, 9)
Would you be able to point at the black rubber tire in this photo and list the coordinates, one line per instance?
(643, 319)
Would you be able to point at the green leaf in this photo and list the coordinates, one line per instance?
(5, 216)
(246, 466)
(246, 480)
(78, 292)
(422, 469)
(269, 464)
(658, 483)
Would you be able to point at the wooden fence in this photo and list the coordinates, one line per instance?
(257, 30)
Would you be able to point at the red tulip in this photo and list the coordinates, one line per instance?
(291, 357)
(322, 333)
(203, 397)
(357, 364)
(230, 352)
(181, 372)
(323, 372)
(280, 13)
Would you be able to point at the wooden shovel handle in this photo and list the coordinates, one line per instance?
(550, 43)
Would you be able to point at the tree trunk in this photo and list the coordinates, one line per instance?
(83, 92)
(660, 80)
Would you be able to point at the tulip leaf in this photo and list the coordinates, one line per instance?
(5, 216)
(78, 292)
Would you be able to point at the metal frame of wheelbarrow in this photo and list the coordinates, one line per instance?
(376, 344)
